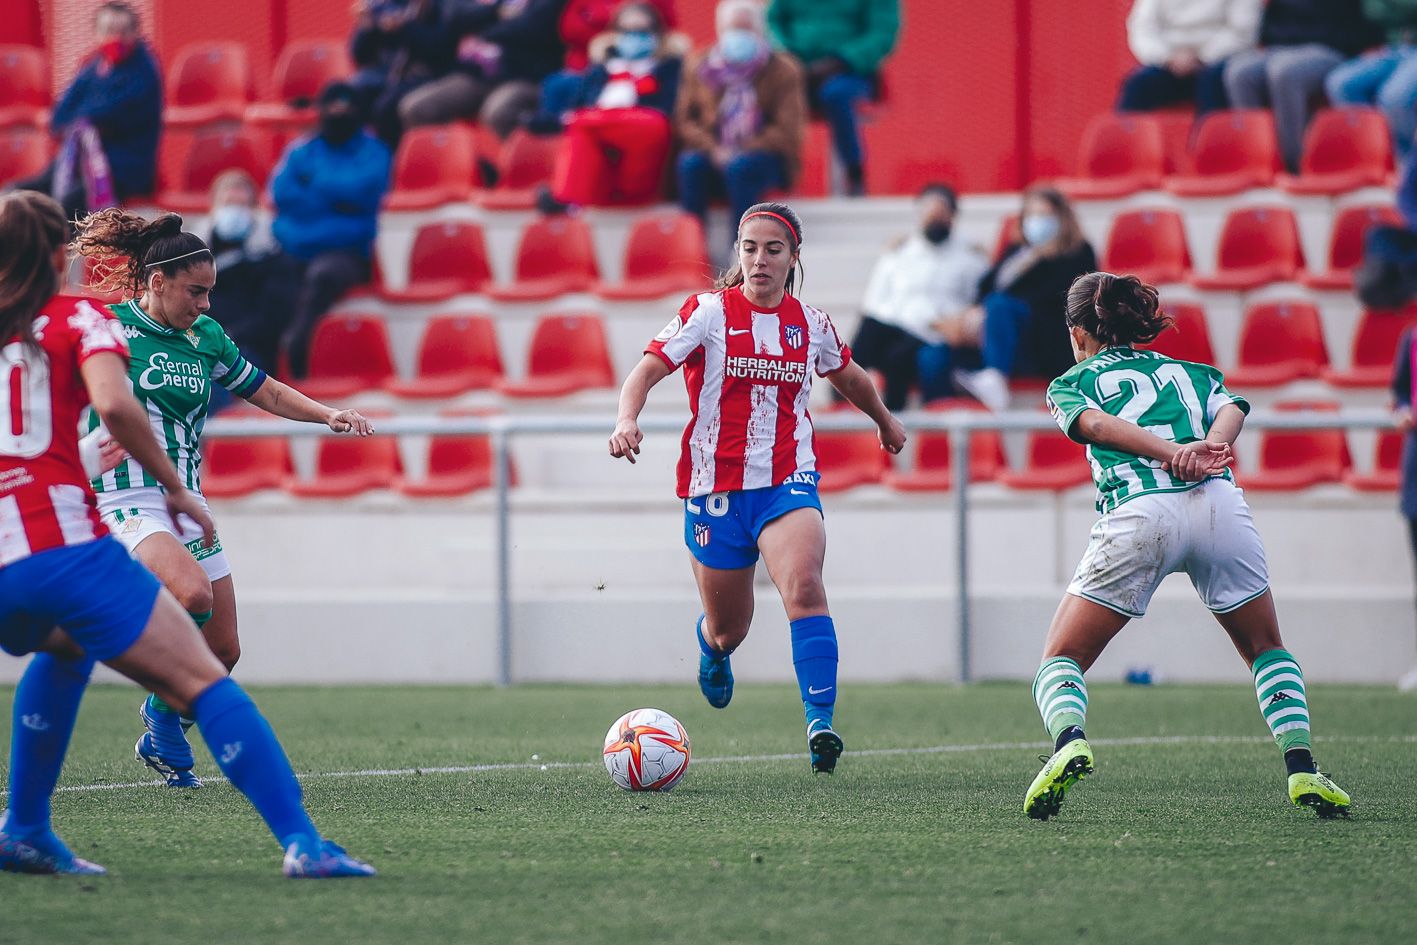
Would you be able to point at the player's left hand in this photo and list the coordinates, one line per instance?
(892, 435)
(350, 421)
(110, 453)
(1195, 461)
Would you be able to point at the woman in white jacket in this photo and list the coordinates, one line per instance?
(1182, 46)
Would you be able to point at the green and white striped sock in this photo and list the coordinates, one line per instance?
(1061, 695)
(1279, 686)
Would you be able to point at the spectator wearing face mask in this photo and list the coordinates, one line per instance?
(740, 116)
(1018, 328)
(931, 276)
(582, 21)
(616, 143)
(258, 284)
(327, 190)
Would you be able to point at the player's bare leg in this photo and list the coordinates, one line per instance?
(727, 596)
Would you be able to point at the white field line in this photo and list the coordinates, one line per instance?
(752, 759)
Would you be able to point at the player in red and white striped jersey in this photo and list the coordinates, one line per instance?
(747, 472)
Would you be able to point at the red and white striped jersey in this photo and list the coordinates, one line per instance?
(749, 373)
(45, 499)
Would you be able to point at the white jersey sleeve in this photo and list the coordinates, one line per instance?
(686, 333)
(829, 352)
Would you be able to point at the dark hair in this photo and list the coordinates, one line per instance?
(943, 190)
(32, 227)
(656, 17)
(139, 244)
(785, 217)
(337, 91)
(1116, 310)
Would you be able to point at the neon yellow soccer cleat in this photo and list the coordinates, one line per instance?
(1069, 765)
(1315, 790)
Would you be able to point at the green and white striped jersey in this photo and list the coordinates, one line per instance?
(1176, 400)
(171, 373)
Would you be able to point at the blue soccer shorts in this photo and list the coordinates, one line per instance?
(94, 591)
(722, 529)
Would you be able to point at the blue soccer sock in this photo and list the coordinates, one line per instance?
(246, 750)
(46, 707)
(814, 657)
(704, 648)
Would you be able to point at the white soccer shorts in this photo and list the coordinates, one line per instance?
(134, 514)
(1206, 531)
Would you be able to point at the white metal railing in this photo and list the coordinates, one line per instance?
(961, 424)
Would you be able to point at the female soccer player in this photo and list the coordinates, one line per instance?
(747, 473)
(70, 594)
(1159, 435)
(178, 354)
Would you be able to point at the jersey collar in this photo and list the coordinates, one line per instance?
(148, 320)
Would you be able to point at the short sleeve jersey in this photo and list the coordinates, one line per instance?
(749, 374)
(45, 499)
(1176, 400)
(172, 373)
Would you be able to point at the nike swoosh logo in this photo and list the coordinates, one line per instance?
(798, 491)
(818, 692)
(739, 331)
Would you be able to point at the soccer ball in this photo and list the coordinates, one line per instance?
(646, 750)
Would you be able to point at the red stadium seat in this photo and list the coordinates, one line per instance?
(1234, 150)
(1008, 235)
(1054, 463)
(1345, 248)
(239, 466)
(934, 455)
(1279, 342)
(1149, 244)
(458, 353)
(349, 354)
(1374, 349)
(664, 255)
(1258, 245)
(1344, 149)
(1120, 154)
(556, 255)
(212, 151)
(348, 465)
(1386, 474)
(23, 153)
(1298, 459)
(208, 82)
(457, 464)
(447, 259)
(524, 164)
(1188, 338)
(303, 68)
(569, 353)
(435, 164)
(24, 86)
(1177, 127)
(849, 458)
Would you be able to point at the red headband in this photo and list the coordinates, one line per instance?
(776, 216)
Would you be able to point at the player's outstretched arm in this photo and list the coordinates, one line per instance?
(853, 383)
(625, 441)
(285, 401)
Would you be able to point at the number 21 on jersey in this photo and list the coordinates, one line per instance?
(1170, 387)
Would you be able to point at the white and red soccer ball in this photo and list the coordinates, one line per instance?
(646, 750)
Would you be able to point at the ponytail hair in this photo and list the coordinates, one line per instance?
(32, 229)
(790, 223)
(1116, 310)
(125, 247)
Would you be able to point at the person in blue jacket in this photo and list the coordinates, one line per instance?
(118, 93)
(327, 191)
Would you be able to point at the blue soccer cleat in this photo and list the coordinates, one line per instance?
(312, 858)
(824, 745)
(715, 673)
(145, 752)
(164, 747)
(42, 853)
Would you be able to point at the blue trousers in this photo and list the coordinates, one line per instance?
(838, 98)
(1152, 87)
(1004, 319)
(1387, 79)
(743, 180)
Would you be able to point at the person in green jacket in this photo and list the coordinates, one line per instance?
(1385, 77)
(842, 44)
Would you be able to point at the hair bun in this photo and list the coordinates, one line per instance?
(169, 224)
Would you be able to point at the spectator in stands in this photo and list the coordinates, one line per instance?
(327, 190)
(398, 45)
(617, 141)
(1018, 327)
(740, 116)
(108, 121)
(842, 43)
(258, 284)
(1402, 401)
(931, 276)
(1301, 41)
(1388, 77)
(502, 51)
(1182, 46)
(581, 22)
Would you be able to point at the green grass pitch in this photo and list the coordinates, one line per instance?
(1183, 835)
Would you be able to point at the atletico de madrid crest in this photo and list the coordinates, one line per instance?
(701, 534)
(792, 334)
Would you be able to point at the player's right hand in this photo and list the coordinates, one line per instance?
(625, 441)
(185, 503)
(1195, 461)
